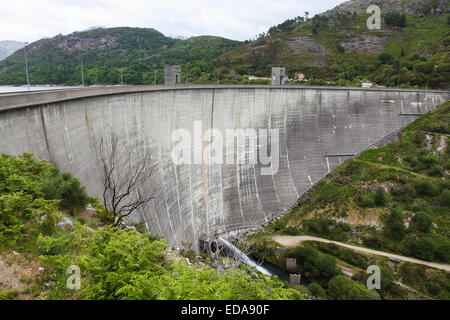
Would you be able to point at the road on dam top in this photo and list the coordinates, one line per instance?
(316, 130)
(293, 241)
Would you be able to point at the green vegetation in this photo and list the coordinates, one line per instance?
(114, 264)
(343, 288)
(412, 52)
(395, 19)
(330, 50)
(321, 267)
(392, 195)
(108, 52)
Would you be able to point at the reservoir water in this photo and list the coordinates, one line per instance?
(7, 89)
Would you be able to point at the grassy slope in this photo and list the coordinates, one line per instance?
(429, 35)
(114, 264)
(415, 175)
(138, 50)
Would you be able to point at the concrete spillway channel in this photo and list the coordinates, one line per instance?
(316, 129)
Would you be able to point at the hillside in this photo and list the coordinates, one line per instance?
(334, 48)
(47, 226)
(337, 48)
(394, 198)
(9, 47)
(105, 51)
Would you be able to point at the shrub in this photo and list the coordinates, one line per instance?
(291, 231)
(445, 198)
(395, 19)
(436, 170)
(8, 294)
(126, 265)
(405, 194)
(367, 202)
(320, 266)
(423, 222)
(386, 58)
(395, 224)
(380, 198)
(343, 288)
(424, 248)
(47, 245)
(426, 188)
(64, 187)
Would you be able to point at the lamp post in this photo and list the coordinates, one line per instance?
(26, 65)
(121, 74)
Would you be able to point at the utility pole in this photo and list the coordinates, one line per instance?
(26, 66)
(187, 74)
(154, 71)
(121, 74)
(218, 76)
(82, 70)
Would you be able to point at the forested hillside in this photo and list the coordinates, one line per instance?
(46, 227)
(334, 48)
(337, 48)
(395, 199)
(106, 53)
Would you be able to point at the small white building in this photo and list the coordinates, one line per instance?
(278, 76)
(172, 75)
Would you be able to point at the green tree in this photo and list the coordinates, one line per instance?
(343, 288)
(386, 58)
(395, 225)
(316, 290)
(380, 197)
(423, 222)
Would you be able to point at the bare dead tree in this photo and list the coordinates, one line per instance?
(126, 177)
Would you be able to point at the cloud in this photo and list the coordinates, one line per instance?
(30, 20)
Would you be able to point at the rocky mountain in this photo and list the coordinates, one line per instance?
(337, 48)
(9, 47)
(107, 53)
(334, 48)
(419, 8)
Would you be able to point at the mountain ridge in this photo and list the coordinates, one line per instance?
(8, 47)
(332, 48)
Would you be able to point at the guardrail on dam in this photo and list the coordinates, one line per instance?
(318, 128)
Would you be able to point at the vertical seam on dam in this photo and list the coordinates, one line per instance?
(44, 128)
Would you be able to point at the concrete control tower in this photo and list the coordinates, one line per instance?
(172, 75)
(278, 76)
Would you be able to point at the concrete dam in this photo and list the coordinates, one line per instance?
(317, 129)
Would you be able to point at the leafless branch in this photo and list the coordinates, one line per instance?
(126, 176)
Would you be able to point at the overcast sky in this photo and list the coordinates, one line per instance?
(31, 20)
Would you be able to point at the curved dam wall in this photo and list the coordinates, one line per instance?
(318, 129)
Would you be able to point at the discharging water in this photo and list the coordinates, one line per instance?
(239, 255)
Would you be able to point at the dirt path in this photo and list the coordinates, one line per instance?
(10, 277)
(16, 273)
(387, 166)
(293, 241)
